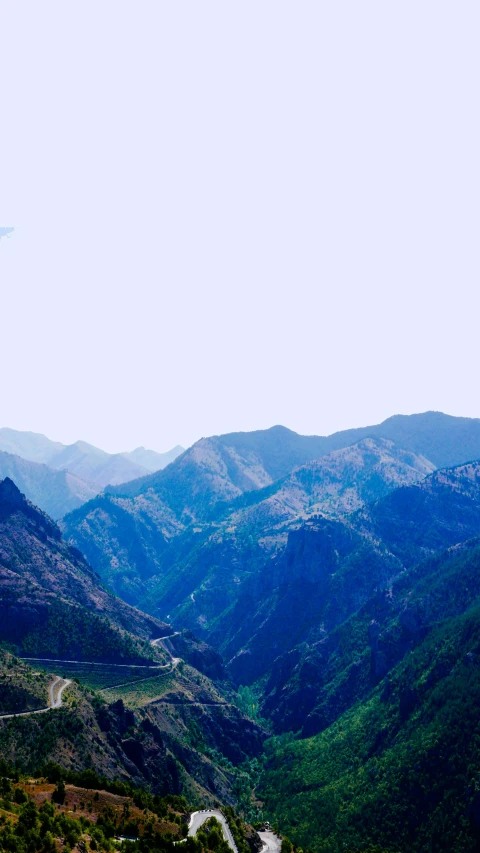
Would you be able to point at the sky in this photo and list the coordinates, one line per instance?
(233, 215)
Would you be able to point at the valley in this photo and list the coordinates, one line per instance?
(282, 624)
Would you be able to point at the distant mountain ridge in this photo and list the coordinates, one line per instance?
(445, 440)
(151, 460)
(56, 492)
(96, 465)
(182, 540)
(86, 461)
(235, 483)
(220, 468)
(59, 478)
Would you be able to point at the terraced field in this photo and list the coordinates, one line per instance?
(98, 676)
(143, 691)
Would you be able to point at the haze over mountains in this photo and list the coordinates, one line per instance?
(56, 492)
(86, 469)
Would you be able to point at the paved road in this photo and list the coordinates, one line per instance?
(271, 842)
(173, 663)
(198, 818)
(54, 696)
(161, 639)
(61, 683)
(189, 702)
(121, 665)
(124, 665)
(95, 663)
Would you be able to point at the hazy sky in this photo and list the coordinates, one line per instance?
(235, 214)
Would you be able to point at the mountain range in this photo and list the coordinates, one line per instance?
(327, 586)
(180, 543)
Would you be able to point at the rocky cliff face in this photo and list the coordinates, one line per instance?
(327, 571)
(320, 676)
(183, 543)
(198, 654)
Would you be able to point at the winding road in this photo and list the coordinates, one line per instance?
(199, 818)
(172, 664)
(55, 692)
(56, 688)
(271, 842)
(155, 643)
(161, 639)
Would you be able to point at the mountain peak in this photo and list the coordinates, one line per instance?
(9, 493)
(13, 501)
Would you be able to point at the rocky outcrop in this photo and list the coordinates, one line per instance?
(198, 654)
(252, 838)
(327, 572)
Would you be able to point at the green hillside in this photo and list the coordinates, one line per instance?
(401, 769)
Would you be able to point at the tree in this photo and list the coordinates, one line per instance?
(58, 795)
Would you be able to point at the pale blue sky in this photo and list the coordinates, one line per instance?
(231, 215)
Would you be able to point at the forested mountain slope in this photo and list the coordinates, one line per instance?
(187, 740)
(45, 583)
(159, 719)
(312, 683)
(400, 768)
(390, 694)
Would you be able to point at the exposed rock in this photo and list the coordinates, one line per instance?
(198, 654)
(252, 838)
